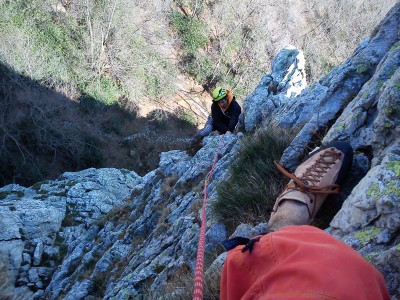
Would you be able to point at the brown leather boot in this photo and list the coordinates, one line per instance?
(318, 176)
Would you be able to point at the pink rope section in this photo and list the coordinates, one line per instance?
(198, 274)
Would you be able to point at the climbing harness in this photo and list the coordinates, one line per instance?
(198, 275)
(248, 243)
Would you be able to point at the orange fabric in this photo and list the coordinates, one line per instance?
(300, 262)
(230, 98)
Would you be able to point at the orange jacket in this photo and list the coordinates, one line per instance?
(300, 262)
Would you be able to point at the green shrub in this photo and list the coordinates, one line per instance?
(103, 89)
(52, 50)
(151, 74)
(39, 45)
(250, 192)
(187, 118)
(191, 31)
(199, 67)
(193, 35)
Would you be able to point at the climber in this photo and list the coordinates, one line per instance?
(225, 112)
(294, 260)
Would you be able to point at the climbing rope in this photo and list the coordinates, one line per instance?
(198, 275)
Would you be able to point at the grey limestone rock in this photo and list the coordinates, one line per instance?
(37, 255)
(287, 81)
(345, 84)
(375, 199)
(80, 290)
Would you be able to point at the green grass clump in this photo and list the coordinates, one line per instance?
(249, 194)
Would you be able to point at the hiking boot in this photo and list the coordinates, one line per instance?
(318, 176)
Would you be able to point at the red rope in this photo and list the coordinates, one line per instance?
(198, 275)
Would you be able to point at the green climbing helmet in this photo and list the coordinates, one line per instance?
(218, 94)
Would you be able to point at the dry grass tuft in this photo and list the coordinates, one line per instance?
(168, 184)
(249, 194)
(180, 286)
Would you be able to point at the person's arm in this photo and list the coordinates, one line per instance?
(236, 111)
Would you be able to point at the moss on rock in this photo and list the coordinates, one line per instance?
(366, 235)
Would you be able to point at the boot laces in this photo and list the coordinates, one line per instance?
(313, 174)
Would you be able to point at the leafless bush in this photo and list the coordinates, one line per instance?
(131, 43)
(37, 132)
(248, 34)
(336, 28)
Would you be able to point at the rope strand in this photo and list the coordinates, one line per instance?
(199, 270)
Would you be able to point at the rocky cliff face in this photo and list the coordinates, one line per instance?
(112, 234)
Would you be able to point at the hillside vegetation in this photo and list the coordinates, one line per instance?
(110, 61)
